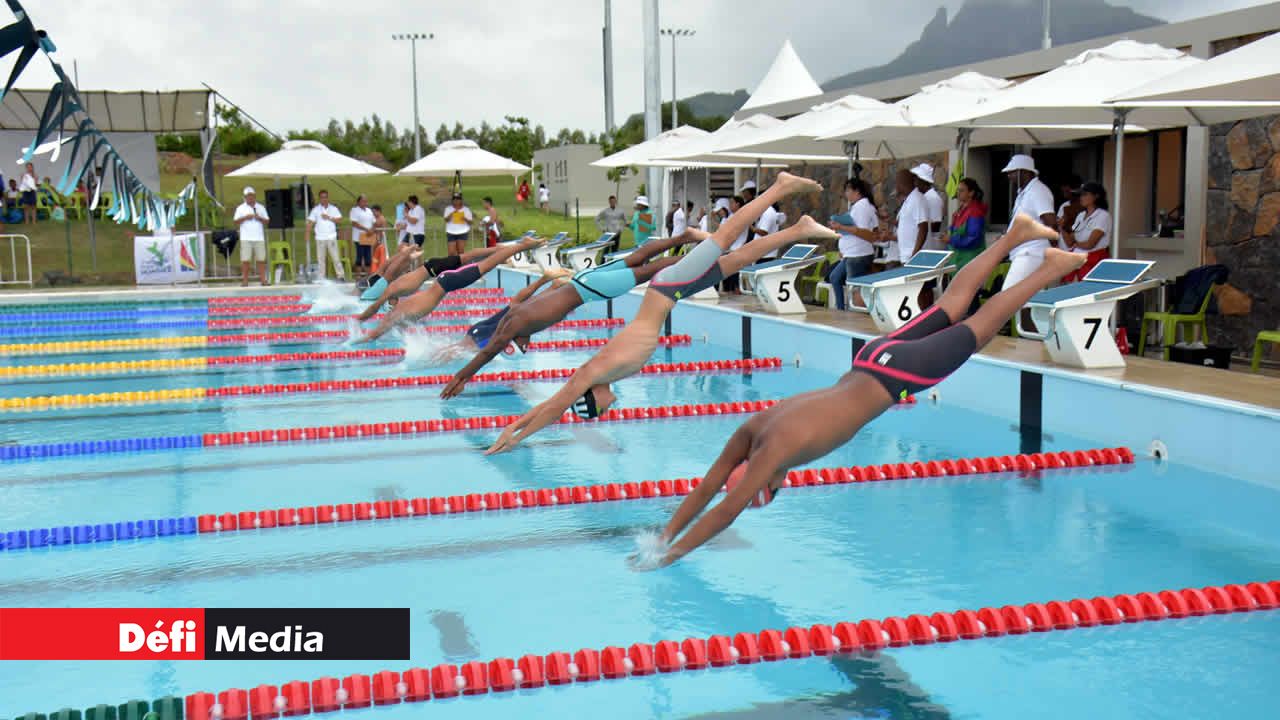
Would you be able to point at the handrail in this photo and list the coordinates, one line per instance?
(12, 278)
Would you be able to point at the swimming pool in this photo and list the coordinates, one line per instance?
(549, 575)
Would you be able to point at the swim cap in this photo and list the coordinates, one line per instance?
(375, 290)
(585, 407)
(762, 498)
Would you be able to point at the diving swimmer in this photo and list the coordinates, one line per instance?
(914, 357)
(588, 392)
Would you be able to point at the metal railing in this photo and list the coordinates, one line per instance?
(11, 274)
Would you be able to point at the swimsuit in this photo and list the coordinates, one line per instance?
(457, 279)
(435, 266)
(604, 282)
(917, 355)
(483, 330)
(698, 270)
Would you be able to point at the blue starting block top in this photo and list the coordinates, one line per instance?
(1108, 280)
(605, 239)
(794, 254)
(925, 263)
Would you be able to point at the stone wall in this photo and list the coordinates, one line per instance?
(1243, 228)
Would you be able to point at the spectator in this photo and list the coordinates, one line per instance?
(362, 236)
(611, 219)
(522, 194)
(642, 225)
(323, 221)
(912, 228)
(770, 220)
(967, 235)
(1091, 232)
(1069, 189)
(544, 198)
(28, 187)
(932, 203)
(857, 230)
(671, 219)
(1035, 199)
(719, 211)
(415, 222)
(56, 202)
(680, 220)
(730, 283)
(457, 225)
(492, 224)
(378, 257)
(251, 222)
(12, 197)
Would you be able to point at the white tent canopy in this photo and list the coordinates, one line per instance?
(702, 149)
(128, 111)
(796, 138)
(305, 158)
(463, 156)
(652, 149)
(787, 79)
(933, 119)
(1247, 77)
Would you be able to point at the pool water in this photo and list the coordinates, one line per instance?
(537, 580)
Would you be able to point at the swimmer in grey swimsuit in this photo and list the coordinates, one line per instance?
(632, 347)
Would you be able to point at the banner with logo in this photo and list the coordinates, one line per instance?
(168, 259)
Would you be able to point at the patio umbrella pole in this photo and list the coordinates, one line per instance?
(1121, 115)
(306, 215)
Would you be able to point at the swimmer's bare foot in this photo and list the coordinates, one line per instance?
(1024, 228)
(415, 254)
(813, 229)
(533, 242)
(790, 184)
(1063, 262)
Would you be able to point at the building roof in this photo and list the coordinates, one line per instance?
(1194, 36)
(129, 111)
(788, 79)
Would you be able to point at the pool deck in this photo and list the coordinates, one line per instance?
(1248, 388)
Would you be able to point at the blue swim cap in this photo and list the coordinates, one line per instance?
(375, 290)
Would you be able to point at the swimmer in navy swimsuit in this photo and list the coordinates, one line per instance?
(596, 284)
(917, 356)
(422, 303)
(588, 391)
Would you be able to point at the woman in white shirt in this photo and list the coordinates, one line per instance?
(28, 186)
(857, 230)
(415, 222)
(1091, 232)
(544, 198)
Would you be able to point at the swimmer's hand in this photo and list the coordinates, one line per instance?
(652, 552)
(506, 441)
(454, 388)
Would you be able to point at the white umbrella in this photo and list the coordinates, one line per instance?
(734, 133)
(1077, 92)
(1218, 89)
(796, 138)
(455, 157)
(306, 158)
(649, 150)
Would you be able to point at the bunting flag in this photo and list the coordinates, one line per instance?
(90, 151)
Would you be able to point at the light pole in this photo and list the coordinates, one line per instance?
(413, 39)
(674, 33)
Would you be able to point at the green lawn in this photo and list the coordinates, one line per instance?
(49, 240)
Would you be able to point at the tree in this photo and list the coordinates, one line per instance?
(238, 137)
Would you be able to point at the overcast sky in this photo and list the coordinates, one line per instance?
(297, 63)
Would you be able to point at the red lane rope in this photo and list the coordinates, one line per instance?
(280, 436)
(640, 659)
(610, 492)
(302, 320)
(279, 299)
(343, 335)
(397, 353)
(493, 377)
(280, 309)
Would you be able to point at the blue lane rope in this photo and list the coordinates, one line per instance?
(100, 447)
(141, 313)
(102, 532)
(117, 328)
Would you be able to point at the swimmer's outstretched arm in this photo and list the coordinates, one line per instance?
(735, 451)
(546, 412)
(416, 306)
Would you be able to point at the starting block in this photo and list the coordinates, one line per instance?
(774, 281)
(520, 261)
(1078, 316)
(585, 257)
(547, 257)
(892, 295)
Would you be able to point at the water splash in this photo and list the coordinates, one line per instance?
(429, 350)
(650, 550)
(329, 297)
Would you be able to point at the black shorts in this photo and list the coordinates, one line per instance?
(418, 239)
(457, 279)
(29, 198)
(364, 254)
(459, 237)
(435, 266)
(917, 355)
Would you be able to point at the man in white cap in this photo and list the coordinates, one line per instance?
(1034, 199)
(251, 222)
(932, 204)
(720, 210)
(913, 221)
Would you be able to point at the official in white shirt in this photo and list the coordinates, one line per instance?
(1035, 199)
(857, 230)
(323, 221)
(28, 186)
(415, 222)
(1091, 233)
(933, 205)
(251, 221)
(362, 221)
(680, 220)
(913, 219)
(770, 220)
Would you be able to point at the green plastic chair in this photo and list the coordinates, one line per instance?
(278, 256)
(818, 275)
(1266, 336)
(1172, 322)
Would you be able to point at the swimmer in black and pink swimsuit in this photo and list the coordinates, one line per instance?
(917, 356)
(422, 303)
